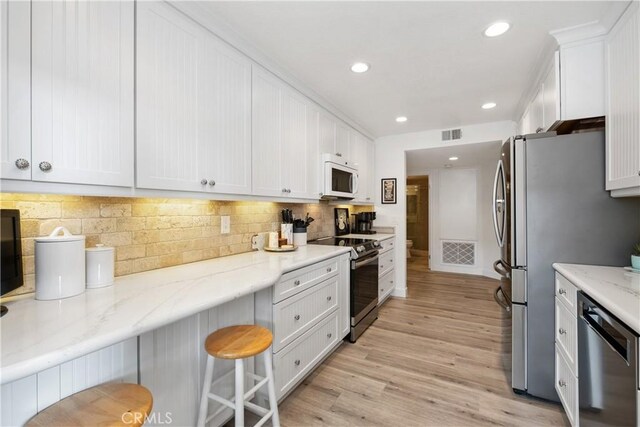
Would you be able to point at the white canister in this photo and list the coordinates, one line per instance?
(273, 239)
(100, 265)
(300, 239)
(60, 265)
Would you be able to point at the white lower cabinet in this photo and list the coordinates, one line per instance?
(308, 323)
(386, 269)
(566, 338)
(24, 398)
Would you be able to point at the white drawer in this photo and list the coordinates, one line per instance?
(298, 359)
(387, 244)
(567, 388)
(566, 292)
(567, 335)
(295, 315)
(385, 285)
(298, 280)
(385, 263)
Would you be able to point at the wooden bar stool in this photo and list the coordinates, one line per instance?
(113, 404)
(238, 343)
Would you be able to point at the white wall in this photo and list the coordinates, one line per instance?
(390, 163)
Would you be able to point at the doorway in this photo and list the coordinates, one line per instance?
(418, 222)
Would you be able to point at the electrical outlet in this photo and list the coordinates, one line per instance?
(225, 224)
(257, 241)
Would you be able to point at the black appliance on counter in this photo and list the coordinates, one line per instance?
(10, 252)
(364, 281)
(363, 223)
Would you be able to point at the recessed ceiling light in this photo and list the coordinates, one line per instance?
(401, 119)
(360, 67)
(453, 158)
(488, 105)
(497, 29)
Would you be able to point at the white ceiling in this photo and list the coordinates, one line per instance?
(429, 60)
(419, 161)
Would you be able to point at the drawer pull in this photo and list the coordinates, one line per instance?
(328, 269)
(562, 383)
(329, 335)
(329, 298)
(381, 266)
(296, 317)
(297, 362)
(390, 260)
(381, 290)
(562, 331)
(296, 283)
(391, 281)
(562, 291)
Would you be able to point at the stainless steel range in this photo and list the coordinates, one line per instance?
(364, 281)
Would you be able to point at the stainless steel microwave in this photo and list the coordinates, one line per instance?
(339, 178)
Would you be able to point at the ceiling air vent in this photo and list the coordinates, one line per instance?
(451, 134)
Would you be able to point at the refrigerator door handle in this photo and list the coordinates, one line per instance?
(498, 295)
(499, 268)
(499, 204)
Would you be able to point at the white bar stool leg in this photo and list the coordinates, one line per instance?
(273, 402)
(206, 388)
(239, 403)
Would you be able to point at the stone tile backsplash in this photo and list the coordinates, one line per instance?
(154, 233)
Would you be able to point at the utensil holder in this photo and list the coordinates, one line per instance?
(286, 230)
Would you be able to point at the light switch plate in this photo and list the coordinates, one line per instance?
(225, 224)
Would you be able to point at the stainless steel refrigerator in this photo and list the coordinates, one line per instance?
(550, 206)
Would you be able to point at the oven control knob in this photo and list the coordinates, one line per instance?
(360, 249)
(376, 243)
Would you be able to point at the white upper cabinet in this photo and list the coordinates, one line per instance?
(361, 156)
(284, 145)
(550, 97)
(15, 92)
(193, 106)
(342, 140)
(82, 92)
(536, 113)
(326, 133)
(622, 52)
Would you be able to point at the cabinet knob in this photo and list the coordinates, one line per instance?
(284, 190)
(562, 383)
(382, 290)
(339, 154)
(297, 362)
(538, 130)
(296, 283)
(329, 298)
(22, 164)
(368, 198)
(329, 335)
(562, 331)
(45, 166)
(562, 291)
(212, 183)
(296, 317)
(381, 266)
(328, 269)
(391, 281)
(203, 181)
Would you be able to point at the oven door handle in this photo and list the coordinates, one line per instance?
(358, 264)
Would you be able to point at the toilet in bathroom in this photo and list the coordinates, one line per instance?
(409, 246)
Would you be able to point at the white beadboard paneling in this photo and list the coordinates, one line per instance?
(24, 398)
(342, 140)
(567, 342)
(294, 144)
(622, 50)
(82, 91)
(309, 306)
(326, 133)
(15, 88)
(344, 321)
(568, 393)
(299, 280)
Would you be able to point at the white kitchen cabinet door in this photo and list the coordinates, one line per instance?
(371, 154)
(342, 140)
(267, 135)
(326, 133)
(360, 156)
(193, 106)
(623, 104)
(295, 147)
(82, 92)
(536, 119)
(582, 79)
(551, 95)
(15, 90)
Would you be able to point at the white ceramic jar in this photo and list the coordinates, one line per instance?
(60, 265)
(100, 265)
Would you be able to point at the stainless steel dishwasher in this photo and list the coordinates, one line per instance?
(607, 368)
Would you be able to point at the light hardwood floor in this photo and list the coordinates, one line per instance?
(433, 359)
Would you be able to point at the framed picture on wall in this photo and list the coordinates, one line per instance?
(389, 196)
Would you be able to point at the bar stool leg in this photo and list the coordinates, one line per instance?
(239, 403)
(273, 402)
(206, 388)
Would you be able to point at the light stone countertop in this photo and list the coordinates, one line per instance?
(616, 289)
(36, 335)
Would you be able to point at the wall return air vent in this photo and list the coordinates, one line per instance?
(451, 134)
(459, 253)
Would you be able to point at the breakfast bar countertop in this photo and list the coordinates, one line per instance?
(615, 288)
(36, 335)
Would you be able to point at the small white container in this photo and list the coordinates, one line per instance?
(273, 239)
(100, 266)
(286, 230)
(60, 265)
(300, 239)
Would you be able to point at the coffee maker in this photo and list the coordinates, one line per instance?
(364, 223)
